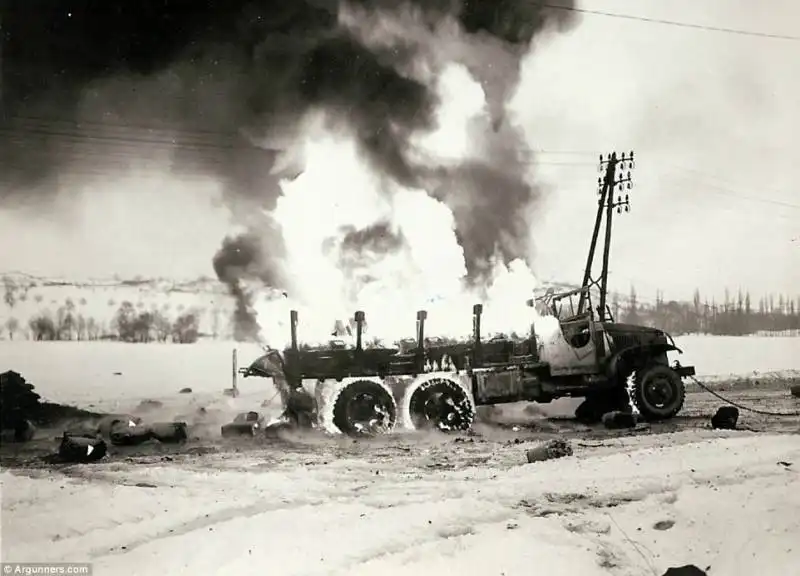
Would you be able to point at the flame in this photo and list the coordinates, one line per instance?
(340, 189)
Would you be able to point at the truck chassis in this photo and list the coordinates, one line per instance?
(430, 382)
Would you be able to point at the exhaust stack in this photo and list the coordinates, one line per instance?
(293, 317)
(419, 359)
(534, 344)
(422, 315)
(359, 318)
(477, 355)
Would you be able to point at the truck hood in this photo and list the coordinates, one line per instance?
(633, 329)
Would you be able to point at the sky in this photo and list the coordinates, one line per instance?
(712, 118)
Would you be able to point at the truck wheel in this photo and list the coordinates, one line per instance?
(443, 404)
(364, 408)
(658, 392)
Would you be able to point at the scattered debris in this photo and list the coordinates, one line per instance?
(617, 420)
(246, 423)
(109, 423)
(549, 451)
(169, 432)
(663, 524)
(81, 449)
(687, 570)
(725, 418)
(185, 391)
(123, 434)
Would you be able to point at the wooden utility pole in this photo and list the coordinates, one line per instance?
(607, 186)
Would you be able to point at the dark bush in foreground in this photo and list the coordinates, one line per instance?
(19, 402)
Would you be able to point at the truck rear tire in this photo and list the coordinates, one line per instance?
(442, 404)
(658, 392)
(364, 408)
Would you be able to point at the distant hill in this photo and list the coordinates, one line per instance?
(87, 309)
(97, 301)
(92, 304)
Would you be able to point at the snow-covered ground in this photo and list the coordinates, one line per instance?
(403, 504)
(102, 372)
(630, 506)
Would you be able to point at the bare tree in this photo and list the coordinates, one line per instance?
(185, 330)
(12, 325)
(80, 327)
(162, 326)
(10, 293)
(92, 329)
(124, 322)
(43, 327)
(66, 323)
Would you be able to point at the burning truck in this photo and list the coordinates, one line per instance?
(433, 383)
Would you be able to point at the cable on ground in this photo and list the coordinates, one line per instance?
(740, 406)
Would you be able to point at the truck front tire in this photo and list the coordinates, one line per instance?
(658, 392)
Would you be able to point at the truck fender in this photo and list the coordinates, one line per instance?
(619, 360)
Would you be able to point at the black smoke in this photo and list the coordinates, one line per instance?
(378, 238)
(90, 84)
(239, 260)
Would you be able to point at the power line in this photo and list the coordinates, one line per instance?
(716, 188)
(733, 192)
(674, 23)
(114, 149)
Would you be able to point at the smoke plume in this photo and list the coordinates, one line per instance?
(238, 260)
(223, 90)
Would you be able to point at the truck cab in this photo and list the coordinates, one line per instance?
(581, 344)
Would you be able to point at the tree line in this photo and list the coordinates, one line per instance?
(127, 325)
(737, 315)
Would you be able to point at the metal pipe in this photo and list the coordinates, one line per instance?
(235, 373)
(477, 357)
(534, 345)
(421, 316)
(419, 355)
(293, 317)
(359, 328)
(477, 310)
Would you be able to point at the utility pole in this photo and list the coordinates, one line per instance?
(607, 186)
